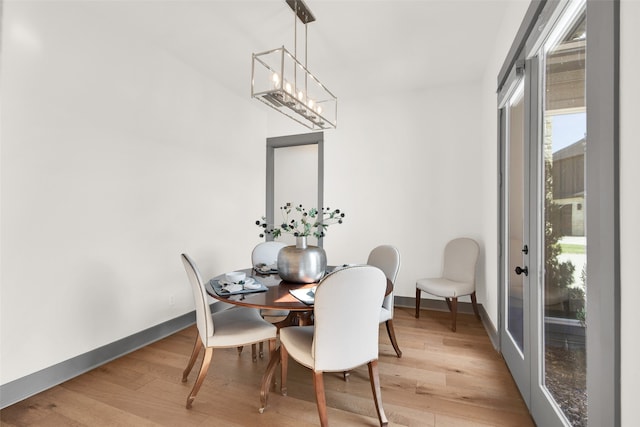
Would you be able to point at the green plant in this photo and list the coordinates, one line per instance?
(302, 222)
(556, 274)
(581, 314)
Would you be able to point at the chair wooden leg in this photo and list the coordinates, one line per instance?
(254, 357)
(392, 337)
(284, 367)
(418, 294)
(261, 350)
(448, 300)
(374, 378)
(454, 312)
(321, 400)
(192, 360)
(204, 368)
(346, 375)
(240, 350)
(474, 303)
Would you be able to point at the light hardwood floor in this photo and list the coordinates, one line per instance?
(443, 379)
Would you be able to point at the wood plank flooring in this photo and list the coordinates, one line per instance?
(443, 379)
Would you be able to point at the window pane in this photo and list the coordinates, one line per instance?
(515, 218)
(565, 242)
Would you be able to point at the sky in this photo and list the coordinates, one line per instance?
(567, 129)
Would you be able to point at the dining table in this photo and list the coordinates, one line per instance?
(276, 296)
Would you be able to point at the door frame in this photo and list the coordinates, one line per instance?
(603, 210)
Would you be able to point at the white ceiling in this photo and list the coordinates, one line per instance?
(355, 46)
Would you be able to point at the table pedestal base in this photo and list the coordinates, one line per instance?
(267, 378)
(294, 318)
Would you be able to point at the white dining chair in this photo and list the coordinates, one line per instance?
(387, 259)
(458, 277)
(266, 253)
(232, 328)
(345, 333)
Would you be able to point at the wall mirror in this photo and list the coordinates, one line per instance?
(295, 173)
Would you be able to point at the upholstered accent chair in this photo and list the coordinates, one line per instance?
(458, 277)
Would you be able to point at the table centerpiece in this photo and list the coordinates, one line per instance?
(302, 263)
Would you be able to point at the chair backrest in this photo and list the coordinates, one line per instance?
(347, 311)
(387, 259)
(460, 259)
(266, 253)
(203, 311)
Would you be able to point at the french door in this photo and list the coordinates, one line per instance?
(543, 222)
(515, 242)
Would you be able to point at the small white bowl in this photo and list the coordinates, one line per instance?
(235, 276)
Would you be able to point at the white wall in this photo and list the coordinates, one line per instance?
(404, 169)
(116, 157)
(629, 207)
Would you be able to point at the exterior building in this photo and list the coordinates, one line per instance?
(568, 189)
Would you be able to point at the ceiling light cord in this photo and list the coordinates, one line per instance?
(295, 49)
(306, 76)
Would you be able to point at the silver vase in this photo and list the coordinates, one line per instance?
(302, 263)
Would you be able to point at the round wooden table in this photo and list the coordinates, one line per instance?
(276, 297)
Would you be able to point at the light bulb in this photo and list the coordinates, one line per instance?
(300, 95)
(310, 104)
(319, 109)
(287, 87)
(276, 79)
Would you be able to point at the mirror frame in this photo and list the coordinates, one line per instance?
(314, 138)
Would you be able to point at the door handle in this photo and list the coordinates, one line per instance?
(524, 270)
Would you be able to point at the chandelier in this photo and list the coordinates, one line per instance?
(282, 82)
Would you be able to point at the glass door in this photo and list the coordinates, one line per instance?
(562, 319)
(515, 309)
(543, 226)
